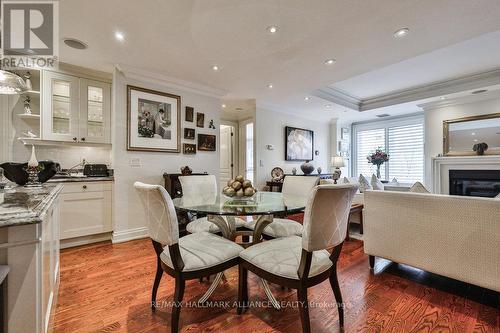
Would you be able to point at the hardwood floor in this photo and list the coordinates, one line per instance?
(107, 288)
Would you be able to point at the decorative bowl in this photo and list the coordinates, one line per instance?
(16, 172)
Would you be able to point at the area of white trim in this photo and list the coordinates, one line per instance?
(442, 165)
(129, 234)
(84, 240)
(151, 77)
(440, 88)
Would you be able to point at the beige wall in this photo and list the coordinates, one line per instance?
(434, 126)
(129, 220)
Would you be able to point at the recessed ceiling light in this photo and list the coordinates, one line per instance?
(215, 68)
(480, 91)
(272, 29)
(75, 43)
(442, 97)
(328, 106)
(330, 61)
(270, 86)
(475, 140)
(306, 98)
(119, 36)
(403, 32)
(223, 106)
(473, 133)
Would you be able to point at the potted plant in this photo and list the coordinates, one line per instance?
(378, 158)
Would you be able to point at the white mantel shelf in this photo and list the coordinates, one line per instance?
(442, 165)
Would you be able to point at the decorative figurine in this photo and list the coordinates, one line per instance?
(319, 170)
(33, 170)
(186, 170)
(294, 171)
(480, 148)
(27, 81)
(27, 106)
(211, 124)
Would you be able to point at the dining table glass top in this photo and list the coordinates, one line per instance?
(262, 203)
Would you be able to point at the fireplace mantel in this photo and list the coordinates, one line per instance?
(442, 165)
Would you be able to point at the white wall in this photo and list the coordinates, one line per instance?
(434, 126)
(270, 129)
(129, 220)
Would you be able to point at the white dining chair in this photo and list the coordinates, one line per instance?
(201, 190)
(190, 257)
(292, 186)
(302, 262)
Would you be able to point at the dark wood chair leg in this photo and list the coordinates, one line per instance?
(159, 274)
(361, 224)
(334, 282)
(242, 289)
(371, 259)
(304, 309)
(176, 308)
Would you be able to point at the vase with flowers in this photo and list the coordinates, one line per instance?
(378, 158)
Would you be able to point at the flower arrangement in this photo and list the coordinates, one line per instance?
(378, 158)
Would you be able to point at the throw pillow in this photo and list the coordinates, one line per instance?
(364, 184)
(418, 188)
(377, 184)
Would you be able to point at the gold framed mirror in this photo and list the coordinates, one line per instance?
(465, 136)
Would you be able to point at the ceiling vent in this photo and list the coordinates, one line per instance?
(75, 43)
(479, 91)
(383, 115)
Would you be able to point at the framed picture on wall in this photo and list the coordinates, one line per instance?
(189, 148)
(200, 119)
(299, 144)
(189, 133)
(206, 142)
(153, 120)
(189, 116)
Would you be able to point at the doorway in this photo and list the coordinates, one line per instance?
(228, 152)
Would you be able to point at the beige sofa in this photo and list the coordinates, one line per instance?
(458, 237)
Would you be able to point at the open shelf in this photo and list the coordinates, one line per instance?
(40, 142)
(32, 93)
(29, 116)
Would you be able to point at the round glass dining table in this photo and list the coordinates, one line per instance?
(222, 210)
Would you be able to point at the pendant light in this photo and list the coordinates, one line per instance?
(11, 83)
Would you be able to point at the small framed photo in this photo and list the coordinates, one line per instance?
(189, 116)
(189, 148)
(200, 119)
(344, 133)
(206, 142)
(189, 133)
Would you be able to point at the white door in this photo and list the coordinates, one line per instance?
(247, 149)
(95, 111)
(226, 154)
(60, 112)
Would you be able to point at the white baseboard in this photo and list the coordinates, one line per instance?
(130, 234)
(84, 240)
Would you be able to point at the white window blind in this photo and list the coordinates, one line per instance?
(402, 139)
(367, 141)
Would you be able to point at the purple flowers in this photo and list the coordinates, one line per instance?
(378, 157)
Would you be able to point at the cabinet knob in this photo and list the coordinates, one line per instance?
(84, 187)
(83, 139)
(74, 139)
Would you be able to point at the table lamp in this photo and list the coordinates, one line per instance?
(337, 163)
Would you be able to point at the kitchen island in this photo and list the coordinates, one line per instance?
(29, 245)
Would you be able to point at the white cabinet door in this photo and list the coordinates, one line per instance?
(85, 212)
(60, 112)
(95, 111)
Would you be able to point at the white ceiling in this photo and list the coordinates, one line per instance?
(185, 38)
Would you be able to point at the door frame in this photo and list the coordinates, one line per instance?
(242, 147)
(235, 144)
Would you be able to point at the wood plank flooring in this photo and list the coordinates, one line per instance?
(107, 288)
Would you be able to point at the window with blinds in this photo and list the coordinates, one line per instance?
(402, 139)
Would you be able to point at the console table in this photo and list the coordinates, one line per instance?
(279, 185)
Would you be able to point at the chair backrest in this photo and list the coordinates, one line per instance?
(326, 216)
(193, 186)
(299, 185)
(160, 213)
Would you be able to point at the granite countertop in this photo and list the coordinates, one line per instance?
(81, 179)
(23, 205)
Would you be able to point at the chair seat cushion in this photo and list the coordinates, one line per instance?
(202, 224)
(203, 250)
(280, 228)
(281, 257)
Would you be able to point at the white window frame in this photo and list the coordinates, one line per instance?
(386, 124)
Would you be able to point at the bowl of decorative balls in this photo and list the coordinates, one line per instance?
(239, 189)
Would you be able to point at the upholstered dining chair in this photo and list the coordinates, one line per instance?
(190, 257)
(277, 261)
(284, 227)
(199, 190)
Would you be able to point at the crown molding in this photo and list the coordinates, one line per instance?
(151, 77)
(445, 87)
(460, 101)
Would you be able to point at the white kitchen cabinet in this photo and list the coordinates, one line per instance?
(75, 109)
(86, 209)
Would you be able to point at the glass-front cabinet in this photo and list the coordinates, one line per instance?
(76, 109)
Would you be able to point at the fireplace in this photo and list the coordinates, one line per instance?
(476, 183)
